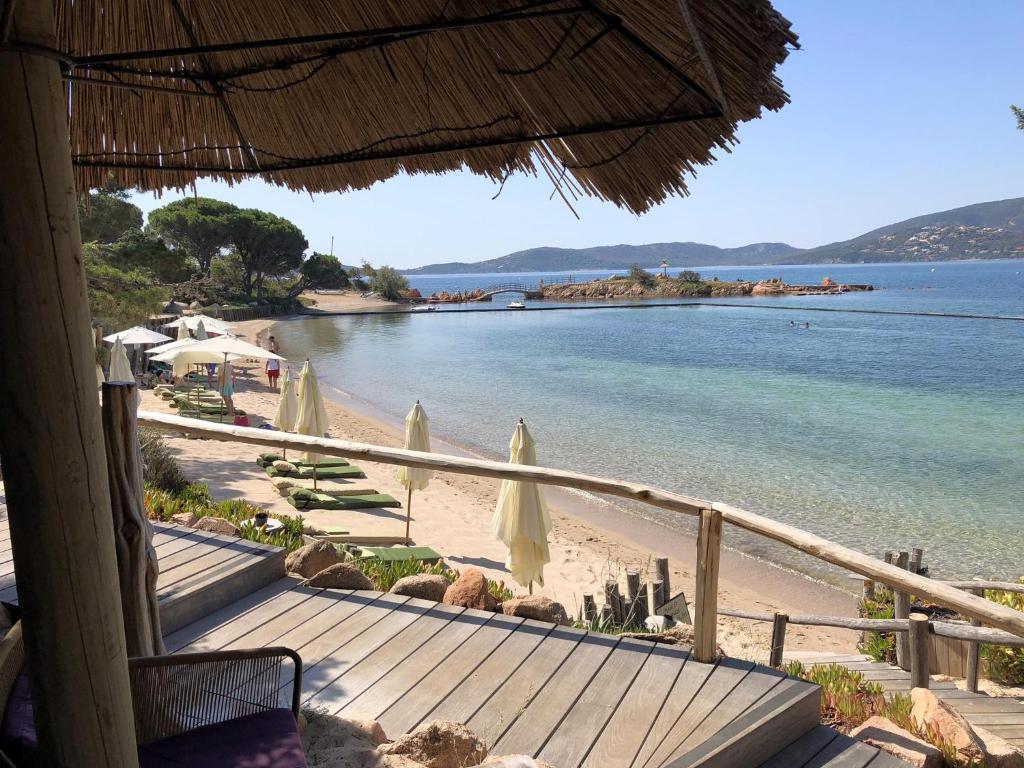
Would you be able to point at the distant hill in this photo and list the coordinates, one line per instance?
(982, 231)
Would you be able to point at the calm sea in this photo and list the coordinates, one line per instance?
(878, 431)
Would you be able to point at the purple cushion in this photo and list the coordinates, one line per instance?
(19, 726)
(265, 740)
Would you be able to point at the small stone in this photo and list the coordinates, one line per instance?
(188, 519)
(339, 576)
(426, 586)
(218, 525)
(309, 559)
(884, 734)
(469, 591)
(536, 607)
(929, 712)
(440, 744)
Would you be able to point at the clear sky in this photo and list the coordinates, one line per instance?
(899, 108)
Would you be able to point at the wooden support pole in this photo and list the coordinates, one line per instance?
(657, 597)
(901, 610)
(868, 593)
(705, 620)
(916, 558)
(51, 437)
(589, 608)
(613, 600)
(632, 597)
(973, 651)
(665, 577)
(779, 622)
(133, 533)
(919, 642)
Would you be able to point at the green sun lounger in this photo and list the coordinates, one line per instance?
(322, 473)
(306, 498)
(399, 554)
(266, 459)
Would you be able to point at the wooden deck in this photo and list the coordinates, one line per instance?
(1003, 716)
(561, 694)
(199, 572)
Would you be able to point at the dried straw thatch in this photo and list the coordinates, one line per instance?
(614, 98)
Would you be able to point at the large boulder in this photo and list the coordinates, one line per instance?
(426, 586)
(930, 713)
(999, 753)
(536, 607)
(470, 591)
(187, 519)
(309, 559)
(440, 744)
(339, 576)
(889, 737)
(330, 741)
(218, 525)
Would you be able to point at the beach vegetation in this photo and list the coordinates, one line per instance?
(385, 281)
(385, 573)
(879, 646)
(1003, 664)
(105, 214)
(195, 226)
(160, 468)
(638, 274)
(320, 270)
(267, 245)
(688, 276)
(119, 297)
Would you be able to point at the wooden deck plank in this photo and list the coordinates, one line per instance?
(358, 677)
(627, 730)
(498, 637)
(689, 682)
(753, 688)
(508, 694)
(989, 704)
(412, 673)
(727, 675)
(575, 736)
(311, 602)
(843, 752)
(552, 700)
(393, 618)
(800, 752)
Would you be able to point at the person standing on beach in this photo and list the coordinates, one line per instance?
(227, 386)
(273, 371)
(272, 346)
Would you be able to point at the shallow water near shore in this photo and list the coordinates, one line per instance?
(876, 431)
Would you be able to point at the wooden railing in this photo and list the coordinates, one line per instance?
(711, 517)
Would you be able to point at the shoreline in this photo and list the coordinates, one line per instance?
(590, 539)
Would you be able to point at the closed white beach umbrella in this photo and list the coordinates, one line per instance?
(417, 438)
(212, 324)
(183, 333)
(137, 335)
(201, 334)
(287, 406)
(120, 368)
(521, 520)
(312, 417)
(100, 378)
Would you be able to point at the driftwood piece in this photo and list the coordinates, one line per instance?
(133, 533)
(50, 432)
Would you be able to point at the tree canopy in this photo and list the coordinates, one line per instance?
(267, 246)
(198, 226)
(386, 282)
(104, 217)
(1020, 117)
(320, 271)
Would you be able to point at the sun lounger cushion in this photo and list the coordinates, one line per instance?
(322, 473)
(266, 459)
(269, 739)
(284, 484)
(305, 498)
(392, 554)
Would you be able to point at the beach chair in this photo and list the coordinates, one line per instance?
(198, 709)
(308, 498)
(400, 554)
(322, 473)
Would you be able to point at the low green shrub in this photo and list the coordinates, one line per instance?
(880, 646)
(1005, 665)
(159, 466)
(384, 573)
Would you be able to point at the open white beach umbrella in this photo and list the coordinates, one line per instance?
(212, 324)
(287, 406)
(159, 349)
(218, 349)
(417, 438)
(312, 416)
(137, 335)
(521, 520)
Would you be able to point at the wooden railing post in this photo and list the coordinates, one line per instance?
(779, 622)
(868, 593)
(705, 620)
(665, 577)
(901, 610)
(974, 651)
(917, 637)
(133, 534)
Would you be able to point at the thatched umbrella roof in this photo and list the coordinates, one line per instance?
(614, 98)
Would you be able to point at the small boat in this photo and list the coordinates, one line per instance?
(516, 305)
(429, 308)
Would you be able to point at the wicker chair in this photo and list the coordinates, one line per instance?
(206, 709)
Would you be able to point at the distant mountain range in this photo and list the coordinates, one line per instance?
(983, 231)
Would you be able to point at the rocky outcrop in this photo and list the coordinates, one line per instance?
(339, 576)
(470, 591)
(929, 713)
(188, 519)
(889, 737)
(309, 559)
(218, 525)
(426, 586)
(999, 753)
(440, 744)
(536, 607)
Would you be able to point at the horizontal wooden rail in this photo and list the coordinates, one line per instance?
(941, 628)
(967, 604)
(1005, 586)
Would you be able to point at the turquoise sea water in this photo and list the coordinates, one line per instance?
(877, 431)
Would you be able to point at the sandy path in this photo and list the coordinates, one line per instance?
(453, 516)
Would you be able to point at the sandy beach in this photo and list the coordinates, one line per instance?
(588, 543)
